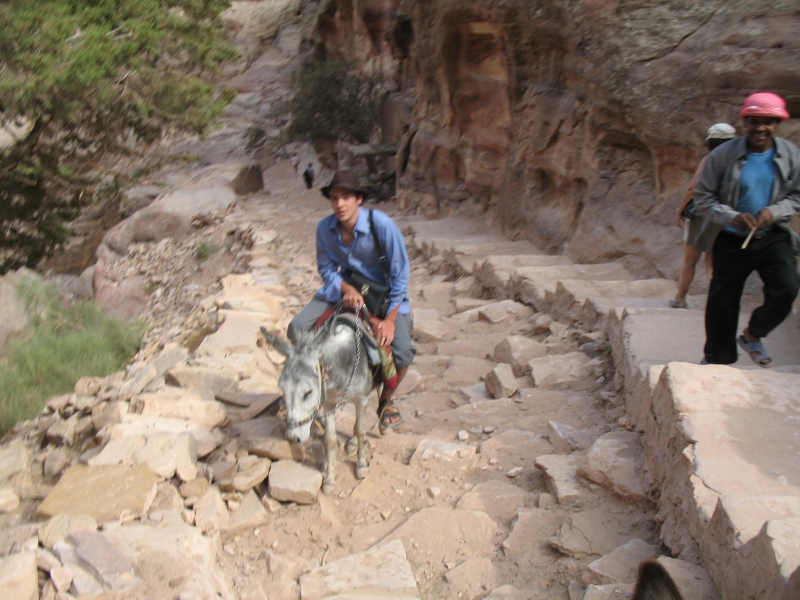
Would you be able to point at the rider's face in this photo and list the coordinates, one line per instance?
(345, 205)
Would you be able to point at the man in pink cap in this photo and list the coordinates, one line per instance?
(748, 191)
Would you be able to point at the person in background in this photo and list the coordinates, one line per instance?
(696, 244)
(748, 191)
(308, 176)
(295, 162)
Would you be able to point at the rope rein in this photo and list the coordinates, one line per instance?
(321, 379)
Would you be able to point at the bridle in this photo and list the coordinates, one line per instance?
(322, 375)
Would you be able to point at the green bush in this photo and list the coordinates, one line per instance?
(332, 101)
(64, 345)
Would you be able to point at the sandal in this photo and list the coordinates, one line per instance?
(386, 412)
(756, 351)
(675, 303)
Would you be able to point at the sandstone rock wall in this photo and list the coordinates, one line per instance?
(578, 123)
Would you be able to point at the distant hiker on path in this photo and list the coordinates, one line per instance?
(295, 162)
(688, 219)
(308, 176)
(748, 191)
(346, 248)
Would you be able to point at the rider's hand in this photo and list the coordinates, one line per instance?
(384, 330)
(679, 220)
(763, 218)
(745, 222)
(350, 296)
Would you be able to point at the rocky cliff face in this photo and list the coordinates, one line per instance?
(577, 123)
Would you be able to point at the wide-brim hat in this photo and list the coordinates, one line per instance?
(344, 179)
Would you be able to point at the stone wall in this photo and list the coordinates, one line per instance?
(577, 123)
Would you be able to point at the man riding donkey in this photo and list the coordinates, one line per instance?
(361, 253)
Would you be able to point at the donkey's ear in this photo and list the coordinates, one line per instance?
(280, 344)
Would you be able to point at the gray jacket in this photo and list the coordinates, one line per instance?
(716, 194)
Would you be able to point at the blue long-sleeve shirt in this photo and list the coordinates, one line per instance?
(333, 257)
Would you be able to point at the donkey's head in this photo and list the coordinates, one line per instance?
(301, 380)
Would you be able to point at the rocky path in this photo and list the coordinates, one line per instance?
(516, 473)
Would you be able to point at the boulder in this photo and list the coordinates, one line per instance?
(500, 381)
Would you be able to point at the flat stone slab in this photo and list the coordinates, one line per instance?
(380, 572)
(139, 425)
(435, 536)
(498, 499)
(616, 461)
(103, 561)
(176, 403)
(61, 525)
(251, 513)
(13, 461)
(290, 481)
(589, 533)
(238, 333)
(518, 351)
(560, 472)
(621, 565)
(105, 492)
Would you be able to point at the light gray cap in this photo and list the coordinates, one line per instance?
(720, 131)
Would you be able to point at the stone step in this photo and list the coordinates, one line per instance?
(588, 303)
(729, 493)
(462, 258)
(530, 285)
(494, 273)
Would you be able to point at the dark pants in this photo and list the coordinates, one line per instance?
(402, 348)
(771, 256)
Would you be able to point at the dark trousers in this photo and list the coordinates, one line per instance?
(771, 256)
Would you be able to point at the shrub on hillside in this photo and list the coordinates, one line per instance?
(66, 343)
(334, 102)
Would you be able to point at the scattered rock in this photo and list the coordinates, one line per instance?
(471, 575)
(251, 513)
(616, 461)
(568, 439)
(165, 454)
(290, 481)
(9, 501)
(529, 524)
(497, 499)
(437, 449)
(560, 473)
(518, 351)
(252, 474)
(18, 577)
(612, 591)
(558, 370)
(500, 381)
(211, 513)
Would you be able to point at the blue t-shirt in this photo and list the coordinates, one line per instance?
(755, 185)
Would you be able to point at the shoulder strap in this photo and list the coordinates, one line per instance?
(379, 247)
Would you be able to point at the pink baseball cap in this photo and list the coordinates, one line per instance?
(764, 104)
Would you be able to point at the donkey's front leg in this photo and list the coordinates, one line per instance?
(360, 431)
(329, 484)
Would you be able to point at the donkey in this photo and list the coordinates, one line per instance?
(654, 583)
(328, 366)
